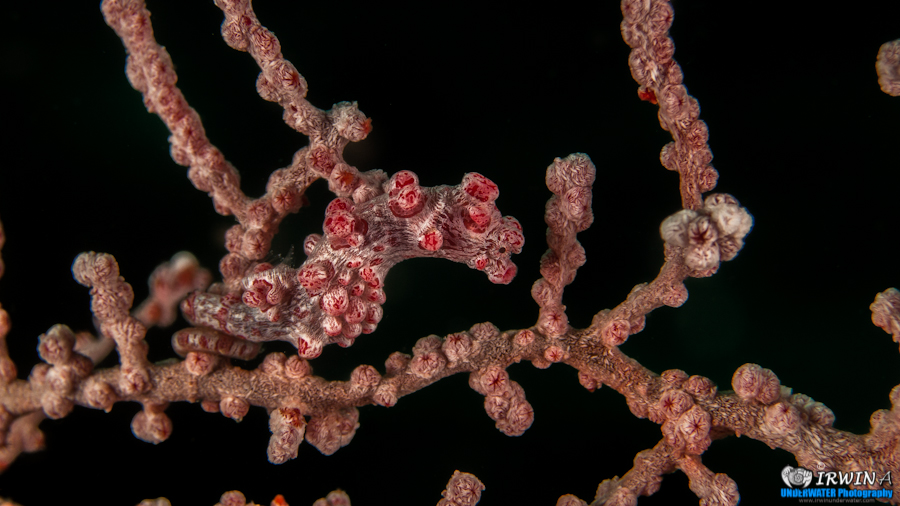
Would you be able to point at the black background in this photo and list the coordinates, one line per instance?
(802, 136)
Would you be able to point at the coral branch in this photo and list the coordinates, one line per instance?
(807, 138)
(888, 67)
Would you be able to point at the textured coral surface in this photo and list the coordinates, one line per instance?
(800, 133)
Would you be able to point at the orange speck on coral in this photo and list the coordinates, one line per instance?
(647, 95)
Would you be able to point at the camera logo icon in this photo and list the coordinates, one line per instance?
(796, 476)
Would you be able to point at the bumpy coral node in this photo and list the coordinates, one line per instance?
(709, 235)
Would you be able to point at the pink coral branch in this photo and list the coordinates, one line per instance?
(689, 412)
(888, 67)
